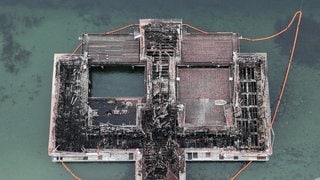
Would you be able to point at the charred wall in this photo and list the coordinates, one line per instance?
(160, 148)
(73, 131)
(72, 117)
(251, 120)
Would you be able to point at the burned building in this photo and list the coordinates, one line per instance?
(203, 100)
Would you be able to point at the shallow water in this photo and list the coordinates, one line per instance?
(117, 82)
(32, 31)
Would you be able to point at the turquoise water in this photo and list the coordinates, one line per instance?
(113, 82)
(32, 31)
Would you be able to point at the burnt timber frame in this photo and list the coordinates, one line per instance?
(204, 101)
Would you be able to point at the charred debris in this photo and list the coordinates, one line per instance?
(204, 101)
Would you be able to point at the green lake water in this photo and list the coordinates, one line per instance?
(32, 31)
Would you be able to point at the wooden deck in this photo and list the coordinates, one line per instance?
(208, 86)
(209, 48)
(111, 49)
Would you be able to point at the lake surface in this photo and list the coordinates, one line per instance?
(32, 31)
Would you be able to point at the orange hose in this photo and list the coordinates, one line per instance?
(234, 177)
(70, 172)
(298, 13)
(194, 28)
(274, 116)
(75, 50)
(285, 79)
(121, 29)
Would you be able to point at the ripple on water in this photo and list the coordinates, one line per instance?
(307, 47)
(13, 55)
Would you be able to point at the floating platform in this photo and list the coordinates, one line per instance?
(204, 100)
